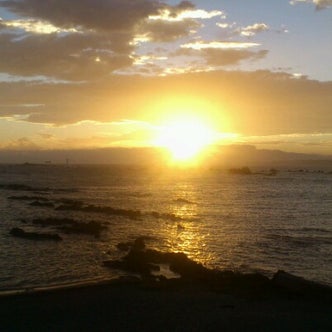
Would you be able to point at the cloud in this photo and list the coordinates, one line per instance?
(104, 15)
(166, 31)
(72, 56)
(221, 53)
(21, 144)
(225, 55)
(176, 22)
(320, 4)
(255, 103)
(251, 30)
(82, 39)
(34, 26)
(199, 45)
(169, 15)
(221, 57)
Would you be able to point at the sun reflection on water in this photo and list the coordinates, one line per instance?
(188, 235)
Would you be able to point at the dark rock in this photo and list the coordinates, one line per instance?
(79, 206)
(53, 221)
(19, 232)
(124, 246)
(144, 261)
(90, 228)
(243, 171)
(42, 204)
(71, 226)
(28, 198)
(183, 200)
(22, 187)
(139, 244)
(300, 286)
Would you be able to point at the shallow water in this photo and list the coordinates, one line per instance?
(247, 223)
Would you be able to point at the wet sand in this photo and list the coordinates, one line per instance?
(169, 306)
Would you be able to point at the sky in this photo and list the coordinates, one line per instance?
(113, 73)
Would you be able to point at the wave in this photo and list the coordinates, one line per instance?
(24, 187)
(314, 229)
(67, 204)
(300, 241)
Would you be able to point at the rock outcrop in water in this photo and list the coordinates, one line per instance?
(146, 262)
(19, 232)
(71, 226)
(242, 171)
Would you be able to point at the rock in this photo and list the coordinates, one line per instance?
(124, 246)
(71, 226)
(42, 204)
(243, 171)
(90, 228)
(19, 232)
(300, 286)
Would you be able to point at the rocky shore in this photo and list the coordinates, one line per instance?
(198, 299)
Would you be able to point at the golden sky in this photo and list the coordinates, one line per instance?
(81, 74)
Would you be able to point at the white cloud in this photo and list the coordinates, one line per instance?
(251, 30)
(167, 15)
(218, 45)
(35, 26)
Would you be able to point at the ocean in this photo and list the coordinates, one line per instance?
(247, 223)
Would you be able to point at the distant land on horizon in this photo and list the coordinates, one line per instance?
(221, 156)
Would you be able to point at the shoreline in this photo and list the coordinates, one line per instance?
(128, 278)
(132, 304)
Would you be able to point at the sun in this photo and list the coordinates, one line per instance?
(185, 138)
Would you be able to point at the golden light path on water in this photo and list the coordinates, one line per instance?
(189, 235)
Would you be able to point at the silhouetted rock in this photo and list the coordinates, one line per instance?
(71, 226)
(243, 171)
(124, 246)
(273, 172)
(29, 198)
(22, 187)
(89, 228)
(145, 261)
(300, 286)
(19, 232)
(79, 206)
(42, 204)
(183, 200)
(137, 244)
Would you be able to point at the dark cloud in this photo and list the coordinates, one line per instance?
(219, 57)
(73, 56)
(109, 15)
(101, 43)
(222, 57)
(185, 5)
(165, 31)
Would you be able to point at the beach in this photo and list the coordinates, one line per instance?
(132, 305)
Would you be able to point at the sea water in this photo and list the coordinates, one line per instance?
(247, 223)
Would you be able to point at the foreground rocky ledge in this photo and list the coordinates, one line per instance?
(200, 299)
(146, 263)
(132, 305)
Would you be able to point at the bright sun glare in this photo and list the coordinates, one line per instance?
(185, 138)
